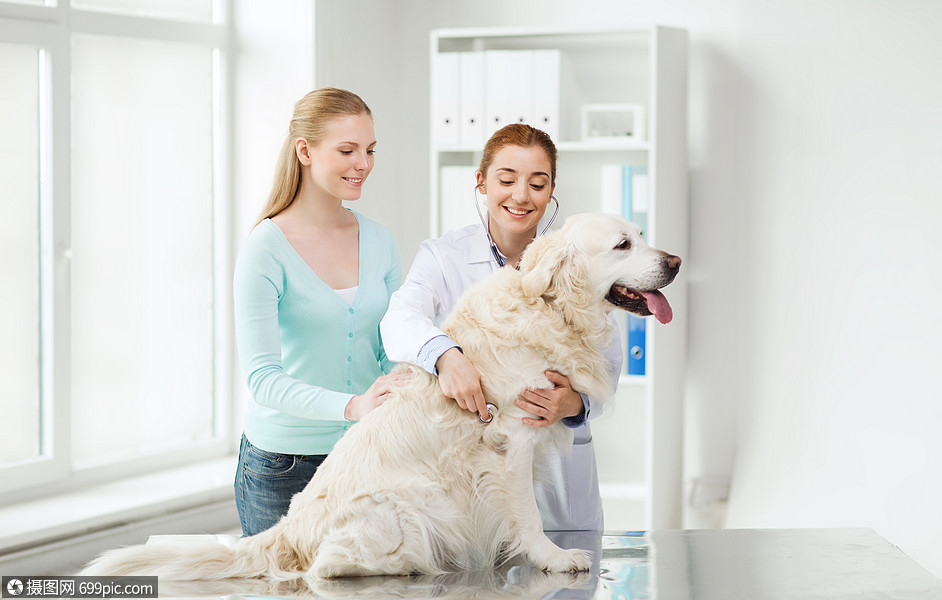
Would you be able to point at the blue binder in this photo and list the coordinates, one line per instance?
(636, 345)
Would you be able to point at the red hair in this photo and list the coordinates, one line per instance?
(525, 136)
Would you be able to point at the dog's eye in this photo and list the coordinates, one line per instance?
(623, 245)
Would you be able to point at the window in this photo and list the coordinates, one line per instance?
(113, 169)
(19, 245)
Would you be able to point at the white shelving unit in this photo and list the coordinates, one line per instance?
(639, 439)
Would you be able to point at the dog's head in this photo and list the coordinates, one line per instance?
(600, 258)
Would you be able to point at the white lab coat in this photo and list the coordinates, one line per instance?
(443, 269)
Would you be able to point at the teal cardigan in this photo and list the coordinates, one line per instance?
(304, 351)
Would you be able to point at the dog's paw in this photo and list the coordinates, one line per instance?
(569, 561)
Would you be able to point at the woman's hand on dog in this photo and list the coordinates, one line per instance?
(359, 406)
(549, 405)
(460, 381)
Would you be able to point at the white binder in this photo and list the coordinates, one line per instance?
(640, 195)
(546, 65)
(445, 99)
(508, 88)
(456, 197)
(611, 190)
(471, 94)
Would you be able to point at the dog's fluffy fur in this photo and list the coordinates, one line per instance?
(421, 486)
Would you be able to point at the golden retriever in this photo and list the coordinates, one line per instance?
(421, 486)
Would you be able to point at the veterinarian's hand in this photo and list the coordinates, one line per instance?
(549, 405)
(358, 406)
(460, 381)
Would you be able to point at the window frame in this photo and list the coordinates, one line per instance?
(50, 28)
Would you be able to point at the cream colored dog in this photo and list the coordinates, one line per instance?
(421, 486)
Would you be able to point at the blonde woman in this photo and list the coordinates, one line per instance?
(518, 175)
(311, 284)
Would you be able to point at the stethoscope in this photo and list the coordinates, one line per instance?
(497, 255)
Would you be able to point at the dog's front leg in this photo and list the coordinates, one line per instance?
(530, 539)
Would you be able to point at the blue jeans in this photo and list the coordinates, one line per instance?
(266, 481)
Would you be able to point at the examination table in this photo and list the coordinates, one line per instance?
(731, 564)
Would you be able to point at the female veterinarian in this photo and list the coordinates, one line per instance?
(311, 285)
(518, 176)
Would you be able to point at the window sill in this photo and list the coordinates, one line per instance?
(97, 508)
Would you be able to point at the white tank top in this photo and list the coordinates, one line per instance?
(348, 294)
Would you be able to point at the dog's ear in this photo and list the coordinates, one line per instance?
(542, 261)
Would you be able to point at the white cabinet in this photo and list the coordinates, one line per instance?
(610, 77)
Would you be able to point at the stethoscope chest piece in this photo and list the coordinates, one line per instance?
(491, 409)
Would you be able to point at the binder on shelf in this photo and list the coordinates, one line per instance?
(508, 88)
(611, 189)
(624, 191)
(640, 196)
(471, 103)
(456, 197)
(617, 191)
(636, 351)
(627, 207)
(546, 66)
(445, 95)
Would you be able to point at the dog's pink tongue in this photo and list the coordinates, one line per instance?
(659, 306)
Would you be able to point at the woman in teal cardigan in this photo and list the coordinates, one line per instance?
(311, 284)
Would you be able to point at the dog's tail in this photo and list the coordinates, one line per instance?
(267, 554)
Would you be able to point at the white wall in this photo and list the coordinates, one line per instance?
(841, 132)
(358, 48)
(815, 143)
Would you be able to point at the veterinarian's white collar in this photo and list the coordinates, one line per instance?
(492, 248)
(480, 250)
